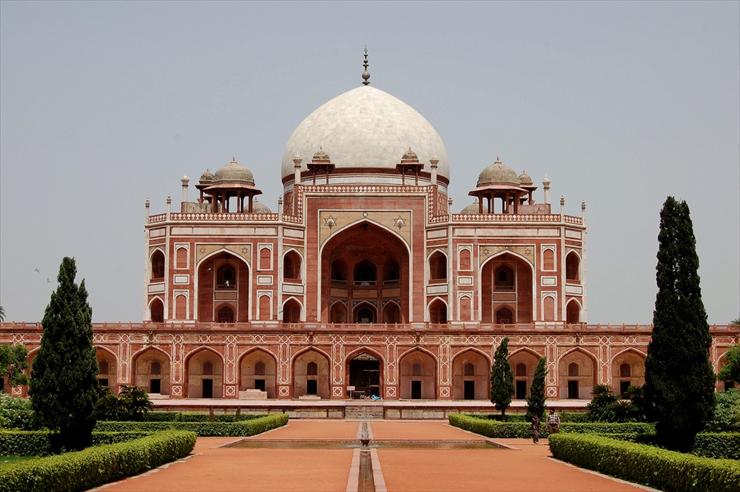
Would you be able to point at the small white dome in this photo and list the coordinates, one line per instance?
(365, 128)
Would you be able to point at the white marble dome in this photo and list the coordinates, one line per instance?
(365, 128)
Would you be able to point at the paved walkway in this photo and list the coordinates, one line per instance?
(313, 456)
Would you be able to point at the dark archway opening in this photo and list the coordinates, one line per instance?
(364, 375)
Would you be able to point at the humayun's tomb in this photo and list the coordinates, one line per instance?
(364, 281)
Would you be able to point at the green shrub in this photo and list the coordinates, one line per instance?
(81, 470)
(725, 445)
(132, 403)
(38, 443)
(197, 417)
(520, 417)
(16, 413)
(648, 465)
(491, 428)
(203, 429)
(726, 412)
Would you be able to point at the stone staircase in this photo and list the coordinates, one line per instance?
(363, 411)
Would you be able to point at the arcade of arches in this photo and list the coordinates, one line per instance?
(364, 276)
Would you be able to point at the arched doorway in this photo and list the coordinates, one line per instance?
(438, 311)
(628, 369)
(156, 310)
(504, 316)
(157, 272)
(572, 267)
(365, 373)
(417, 376)
(391, 313)
(205, 371)
(506, 282)
(523, 364)
(291, 267)
(311, 375)
(106, 369)
(338, 313)
(573, 312)
(291, 311)
(152, 371)
(365, 313)
(362, 265)
(576, 375)
(437, 267)
(258, 370)
(470, 376)
(223, 281)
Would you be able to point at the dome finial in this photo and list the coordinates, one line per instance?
(365, 73)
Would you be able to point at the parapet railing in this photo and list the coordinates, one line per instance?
(454, 327)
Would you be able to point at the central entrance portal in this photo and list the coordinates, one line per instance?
(364, 375)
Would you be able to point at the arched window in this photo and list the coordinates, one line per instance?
(182, 258)
(521, 370)
(438, 267)
(156, 368)
(571, 267)
(157, 265)
(264, 305)
(504, 278)
(291, 266)
(338, 313)
(549, 308)
(573, 369)
(416, 369)
(365, 273)
(226, 277)
(291, 311)
(391, 272)
(465, 308)
(181, 307)
(391, 313)
(438, 312)
(338, 272)
(548, 260)
(259, 368)
(208, 368)
(312, 369)
(504, 316)
(573, 312)
(469, 369)
(625, 371)
(225, 315)
(365, 314)
(156, 311)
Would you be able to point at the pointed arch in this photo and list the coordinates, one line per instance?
(627, 369)
(358, 315)
(250, 378)
(417, 376)
(307, 382)
(437, 262)
(156, 310)
(438, 310)
(143, 375)
(292, 265)
(292, 310)
(157, 264)
(200, 382)
(205, 282)
(573, 311)
(577, 386)
(365, 375)
(525, 310)
(470, 375)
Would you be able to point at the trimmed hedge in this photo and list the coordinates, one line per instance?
(37, 443)
(197, 417)
(724, 445)
(492, 428)
(202, 429)
(520, 417)
(94, 466)
(648, 465)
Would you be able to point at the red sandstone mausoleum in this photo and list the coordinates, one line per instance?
(363, 281)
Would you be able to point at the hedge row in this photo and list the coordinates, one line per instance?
(492, 428)
(241, 428)
(94, 466)
(37, 443)
(196, 417)
(648, 465)
(520, 417)
(724, 445)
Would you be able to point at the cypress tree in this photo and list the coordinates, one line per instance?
(536, 398)
(502, 380)
(679, 381)
(64, 387)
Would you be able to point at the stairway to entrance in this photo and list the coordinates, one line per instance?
(363, 411)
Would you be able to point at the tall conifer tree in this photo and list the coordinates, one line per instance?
(679, 381)
(64, 384)
(502, 380)
(536, 398)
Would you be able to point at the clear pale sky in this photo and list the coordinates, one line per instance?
(103, 105)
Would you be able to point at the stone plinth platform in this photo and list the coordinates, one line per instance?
(354, 409)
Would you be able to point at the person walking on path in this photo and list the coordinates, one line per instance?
(535, 429)
(553, 422)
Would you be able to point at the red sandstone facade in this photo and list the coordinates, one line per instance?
(364, 282)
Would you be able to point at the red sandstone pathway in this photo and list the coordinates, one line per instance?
(526, 468)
